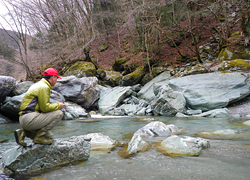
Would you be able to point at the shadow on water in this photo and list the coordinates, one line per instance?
(227, 158)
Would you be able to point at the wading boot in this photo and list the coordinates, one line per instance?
(41, 139)
(19, 136)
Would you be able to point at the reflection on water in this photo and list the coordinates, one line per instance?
(225, 159)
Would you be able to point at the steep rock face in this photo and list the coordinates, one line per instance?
(212, 90)
(7, 84)
(38, 157)
(83, 91)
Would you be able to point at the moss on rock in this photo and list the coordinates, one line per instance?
(81, 69)
(234, 64)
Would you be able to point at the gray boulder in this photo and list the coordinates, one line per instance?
(216, 113)
(83, 91)
(157, 128)
(167, 102)
(101, 142)
(137, 144)
(111, 97)
(37, 158)
(112, 78)
(21, 87)
(7, 84)
(4, 119)
(147, 91)
(186, 146)
(75, 110)
(212, 90)
(11, 107)
(153, 129)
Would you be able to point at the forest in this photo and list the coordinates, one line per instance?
(120, 35)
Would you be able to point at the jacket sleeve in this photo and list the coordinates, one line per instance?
(44, 101)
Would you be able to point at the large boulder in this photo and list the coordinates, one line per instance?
(35, 158)
(167, 101)
(183, 146)
(21, 87)
(7, 84)
(153, 129)
(133, 77)
(112, 78)
(157, 128)
(83, 91)
(212, 90)
(147, 91)
(111, 97)
(11, 106)
(81, 69)
(137, 144)
(101, 142)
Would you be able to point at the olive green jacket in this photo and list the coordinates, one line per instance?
(37, 99)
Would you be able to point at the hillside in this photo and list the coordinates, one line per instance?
(193, 41)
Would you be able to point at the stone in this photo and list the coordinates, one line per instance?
(216, 113)
(101, 142)
(7, 84)
(247, 123)
(183, 146)
(36, 158)
(212, 90)
(137, 144)
(111, 97)
(157, 128)
(167, 101)
(21, 87)
(83, 91)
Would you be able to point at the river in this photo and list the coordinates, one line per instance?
(227, 158)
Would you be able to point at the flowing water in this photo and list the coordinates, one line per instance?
(227, 158)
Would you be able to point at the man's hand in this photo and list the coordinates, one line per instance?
(62, 105)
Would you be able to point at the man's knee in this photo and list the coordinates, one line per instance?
(59, 114)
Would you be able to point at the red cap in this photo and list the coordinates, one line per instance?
(51, 72)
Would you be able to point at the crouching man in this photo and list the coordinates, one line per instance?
(37, 115)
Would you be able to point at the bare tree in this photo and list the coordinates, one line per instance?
(16, 21)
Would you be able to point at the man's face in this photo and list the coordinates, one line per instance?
(53, 81)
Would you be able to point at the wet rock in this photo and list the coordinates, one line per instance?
(83, 91)
(157, 128)
(247, 123)
(216, 113)
(221, 134)
(137, 144)
(101, 142)
(4, 119)
(75, 110)
(38, 157)
(7, 84)
(187, 146)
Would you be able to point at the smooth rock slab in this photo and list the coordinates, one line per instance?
(35, 158)
(186, 146)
